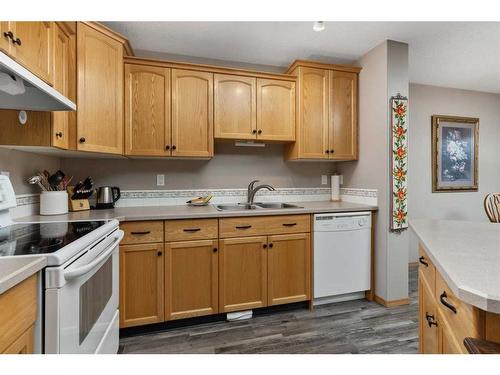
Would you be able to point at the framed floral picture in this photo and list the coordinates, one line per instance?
(454, 153)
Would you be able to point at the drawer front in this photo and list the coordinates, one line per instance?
(462, 319)
(137, 232)
(264, 225)
(427, 269)
(185, 230)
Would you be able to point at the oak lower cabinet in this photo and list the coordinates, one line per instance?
(429, 330)
(191, 279)
(141, 284)
(242, 273)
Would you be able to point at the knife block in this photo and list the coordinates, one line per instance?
(77, 204)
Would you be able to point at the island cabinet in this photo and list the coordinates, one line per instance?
(31, 45)
(445, 320)
(327, 97)
(17, 317)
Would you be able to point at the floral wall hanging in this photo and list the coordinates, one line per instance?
(399, 163)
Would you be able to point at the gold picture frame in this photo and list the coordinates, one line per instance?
(455, 150)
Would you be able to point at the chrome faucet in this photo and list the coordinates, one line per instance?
(253, 190)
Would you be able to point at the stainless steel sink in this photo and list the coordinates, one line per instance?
(277, 206)
(256, 206)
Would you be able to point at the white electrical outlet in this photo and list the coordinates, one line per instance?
(341, 179)
(160, 180)
(324, 179)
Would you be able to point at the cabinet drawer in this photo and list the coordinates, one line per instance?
(427, 269)
(182, 230)
(462, 319)
(137, 232)
(264, 225)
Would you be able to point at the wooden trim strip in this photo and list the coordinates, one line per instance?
(393, 303)
(320, 65)
(207, 68)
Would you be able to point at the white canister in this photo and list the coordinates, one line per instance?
(53, 203)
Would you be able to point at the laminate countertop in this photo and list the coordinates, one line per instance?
(467, 255)
(13, 270)
(189, 212)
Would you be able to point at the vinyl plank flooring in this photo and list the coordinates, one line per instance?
(345, 327)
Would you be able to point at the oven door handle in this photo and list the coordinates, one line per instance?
(73, 274)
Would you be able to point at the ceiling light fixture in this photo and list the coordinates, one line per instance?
(319, 26)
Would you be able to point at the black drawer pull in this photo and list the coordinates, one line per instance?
(289, 224)
(243, 226)
(446, 303)
(139, 233)
(430, 319)
(422, 261)
(215, 250)
(160, 253)
(192, 229)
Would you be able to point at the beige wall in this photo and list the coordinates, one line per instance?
(232, 167)
(431, 100)
(21, 165)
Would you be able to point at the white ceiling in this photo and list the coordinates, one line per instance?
(453, 54)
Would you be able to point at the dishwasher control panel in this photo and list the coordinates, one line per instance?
(342, 221)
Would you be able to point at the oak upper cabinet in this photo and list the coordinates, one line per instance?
(191, 279)
(275, 110)
(289, 265)
(235, 108)
(242, 273)
(141, 284)
(100, 91)
(192, 114)
(147, 110)
(61, 79)
(343, 115)
(326, 112)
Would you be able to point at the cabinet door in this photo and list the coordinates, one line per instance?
(242, 273)
(448, 344)
(275, 110)
(289, 264)
(147, 110)
(60, 119)
(23, 344)
(313, 113)
(344, 122)
(100, 92)
(191, 279)
(234, 107)
(427, 316)
(141, 284)
(5, 42)
(192, 113)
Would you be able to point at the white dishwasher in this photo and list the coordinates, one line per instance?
(342, 256)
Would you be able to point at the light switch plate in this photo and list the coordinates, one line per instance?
(160, 180)
(324, 179)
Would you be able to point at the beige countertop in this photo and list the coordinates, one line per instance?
(467, 255)
(13, 270)
(188, 212)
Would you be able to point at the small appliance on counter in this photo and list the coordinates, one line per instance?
(107, 197)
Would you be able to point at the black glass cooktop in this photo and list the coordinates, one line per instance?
(43, 238)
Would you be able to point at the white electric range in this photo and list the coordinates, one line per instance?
(79, 286)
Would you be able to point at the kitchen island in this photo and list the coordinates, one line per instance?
(459, 283)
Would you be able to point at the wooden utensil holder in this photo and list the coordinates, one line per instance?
(77, 204)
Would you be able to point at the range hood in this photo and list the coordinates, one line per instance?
(27, 91)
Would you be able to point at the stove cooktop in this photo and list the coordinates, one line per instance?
(42, 238)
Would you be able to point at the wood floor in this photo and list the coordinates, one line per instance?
(346, 327)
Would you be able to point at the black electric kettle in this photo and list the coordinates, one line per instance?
(107, 196)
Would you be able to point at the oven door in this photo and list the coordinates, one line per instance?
(82, 309)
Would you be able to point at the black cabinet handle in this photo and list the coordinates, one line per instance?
(430, 319)
(289, 224)
(16, 41)
(332, 151)
(443, 300)
(59, 134)
(192, 229)
(174, 147)
(139, 233)
(82, 139)
(8, 34)
(271, 245)
(422, 261)
(254, 131)
(243, 226)
(327, 151)
(259, 131)
(167, 147)
(264, 246)
(215, 250)
(160, 253)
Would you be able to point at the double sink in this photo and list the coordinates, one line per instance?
(254, 206)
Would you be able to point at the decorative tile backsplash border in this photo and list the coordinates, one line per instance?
(27, 199)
